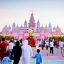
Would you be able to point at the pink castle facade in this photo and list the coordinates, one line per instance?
(39, 31)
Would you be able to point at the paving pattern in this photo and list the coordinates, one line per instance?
(56, 58)
(47, 61)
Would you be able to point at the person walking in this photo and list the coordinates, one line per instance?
(37, 44)
(16, 53)
(6, 59)
(47, 44)
(51, 46)
(61, 45)
(10, 46)
(38, 57)
(26, 52)
(43, 43)
(3, 48)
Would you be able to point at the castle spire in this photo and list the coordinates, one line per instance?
(25, 24)
(38, 24)
(32, 21)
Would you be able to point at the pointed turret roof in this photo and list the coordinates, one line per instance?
(25, 22)
(32, 21)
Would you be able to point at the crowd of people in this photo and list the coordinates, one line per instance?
(51, 44)
(15, 49)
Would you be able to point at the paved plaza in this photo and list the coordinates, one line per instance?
(55, 58)
(47, 61)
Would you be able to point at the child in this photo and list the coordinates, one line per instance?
(38, 57)
(6, 59)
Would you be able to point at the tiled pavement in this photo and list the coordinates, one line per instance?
(55, 58)
(44, 61)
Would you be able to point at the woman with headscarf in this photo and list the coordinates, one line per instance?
(26, 52)
(16, 53)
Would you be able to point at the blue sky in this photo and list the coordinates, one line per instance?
(44, 10)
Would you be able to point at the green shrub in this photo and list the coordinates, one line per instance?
(6, 37)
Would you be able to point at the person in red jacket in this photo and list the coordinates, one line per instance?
(31, 41)
(3, 47)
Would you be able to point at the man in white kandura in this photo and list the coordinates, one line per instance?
(26, 52)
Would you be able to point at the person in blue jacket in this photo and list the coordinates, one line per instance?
(38, 57)
(6, 59)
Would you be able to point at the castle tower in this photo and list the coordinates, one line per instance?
(31, 21)
(38, 26)
(13, 27)
(49, 28)
(4, 30)
(25, 26)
